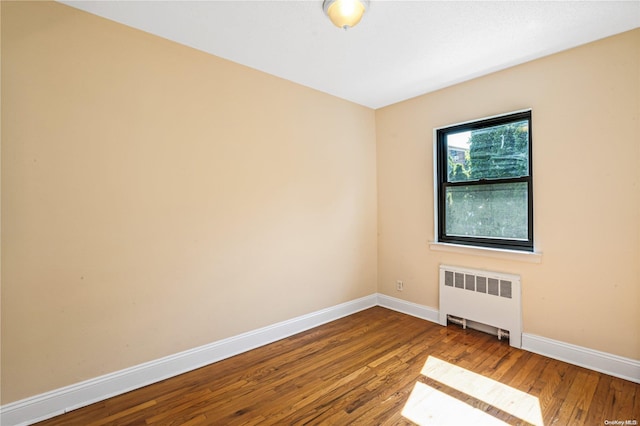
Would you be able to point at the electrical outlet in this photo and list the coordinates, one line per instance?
(399, 285)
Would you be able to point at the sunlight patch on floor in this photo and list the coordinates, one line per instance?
(430, 406)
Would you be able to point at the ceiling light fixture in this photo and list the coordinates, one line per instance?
(345, 13)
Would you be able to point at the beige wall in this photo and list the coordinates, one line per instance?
(155, 198)
(586, 156)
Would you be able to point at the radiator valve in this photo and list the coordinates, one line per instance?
(502, 333)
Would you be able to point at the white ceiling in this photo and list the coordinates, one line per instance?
(400, 49)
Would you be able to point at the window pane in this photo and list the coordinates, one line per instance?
(489, 211)
(489, 153)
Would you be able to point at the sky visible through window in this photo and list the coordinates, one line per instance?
(459, 140)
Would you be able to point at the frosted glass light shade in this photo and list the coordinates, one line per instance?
(345, 13)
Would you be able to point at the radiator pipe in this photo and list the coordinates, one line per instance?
(463, 322)
(459, 321)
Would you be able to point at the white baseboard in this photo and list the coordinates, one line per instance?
(59, 401)
(409, 308)
(614, 365)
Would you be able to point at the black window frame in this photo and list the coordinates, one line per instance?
(443, 183)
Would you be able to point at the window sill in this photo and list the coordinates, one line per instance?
(521, 256)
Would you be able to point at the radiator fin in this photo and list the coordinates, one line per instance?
(493, 287)
(459, 280)
(448, 278)
(470, 282)
(505, 289)
(481, 284)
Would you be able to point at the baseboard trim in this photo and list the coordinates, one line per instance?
(614, 365)
(409, 308)
(59, 401)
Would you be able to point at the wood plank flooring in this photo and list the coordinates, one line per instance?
(371, 369)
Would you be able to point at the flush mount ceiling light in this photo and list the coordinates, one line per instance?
(345, 13)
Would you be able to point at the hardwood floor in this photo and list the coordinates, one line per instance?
(366, 369)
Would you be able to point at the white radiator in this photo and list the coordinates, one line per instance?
(490, 298)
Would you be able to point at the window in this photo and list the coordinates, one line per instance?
(484, 183)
